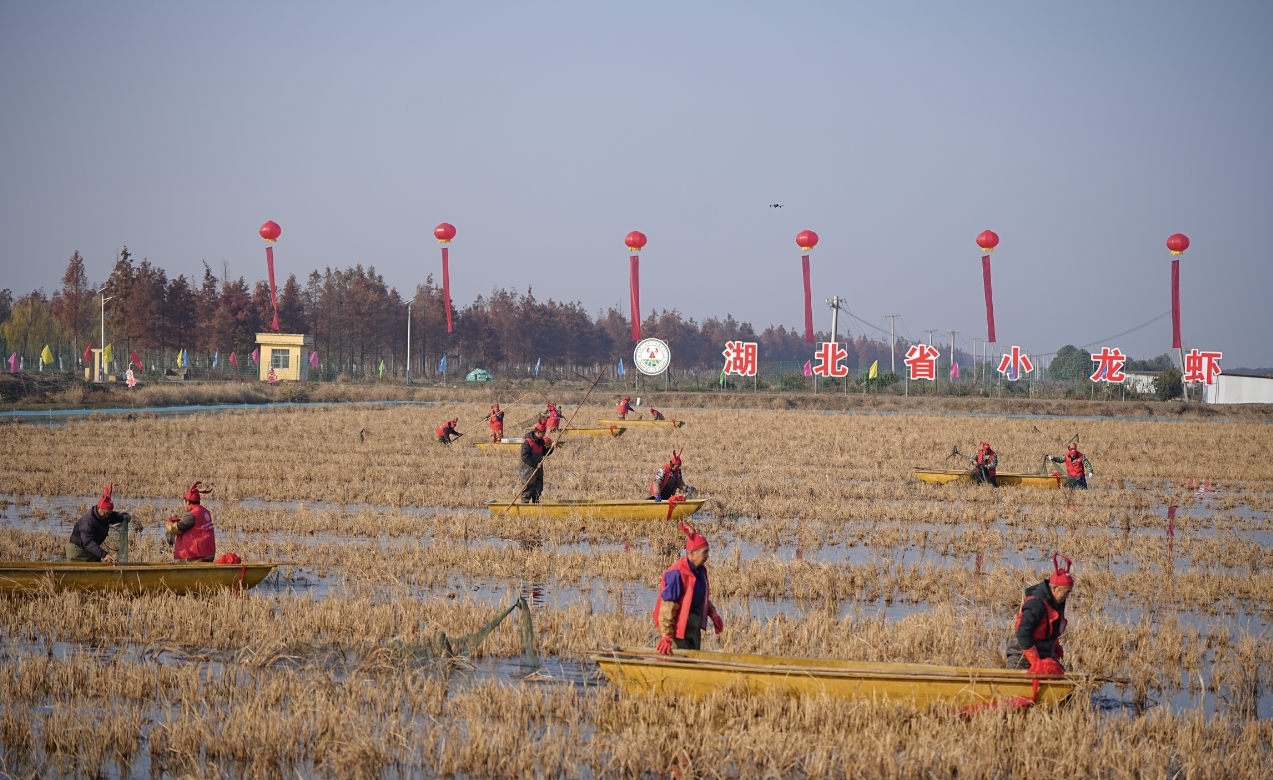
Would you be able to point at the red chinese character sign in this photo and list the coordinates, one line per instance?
(807, 240)
(827, 360)
(740, 358)
(270, 231)
(1202, 366)
(988, 240)
(921, 362)
(1109, 365)
(636, 241)
(1014, 364)
(444, 233)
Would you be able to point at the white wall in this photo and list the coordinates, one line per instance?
(1240, 390)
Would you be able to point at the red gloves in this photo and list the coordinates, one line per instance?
(717, 623)
(1032, 655)
(1042, 665)
(664, 646)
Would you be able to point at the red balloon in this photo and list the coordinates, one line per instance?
(270, 231)
(807, 240)
(635, 240)
(1178, 243)
(988, 240)
(445, 232)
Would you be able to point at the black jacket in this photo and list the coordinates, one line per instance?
(1033, 614)
(530, 458)
(91, 530)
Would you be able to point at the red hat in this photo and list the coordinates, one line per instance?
(627, 397)
(192, 495)
(693, 539)
(541, 426)
(676, 458)
(494, 406)
(454, 422)
(1074, 447)
(104, 503)
(985, 445)
(1061, 578)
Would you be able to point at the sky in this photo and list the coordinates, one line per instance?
(1083, 133)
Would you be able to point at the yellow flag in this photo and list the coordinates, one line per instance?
(875, 371)
(106, 354)
(180, 352)
(46, 357)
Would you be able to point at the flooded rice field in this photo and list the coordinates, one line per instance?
(370, 650)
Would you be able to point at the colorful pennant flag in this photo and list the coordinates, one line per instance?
(234, 361)
(382, 369)
(106, 355)
(954, 370)
(442, 365)
(216, 358)
(256, 356)
(46, 356)
(808, 368)
(135, 360)
(620, 369)
(313, 359)
(13, 363)
(537, 366)
(88, 353)
(875, 371)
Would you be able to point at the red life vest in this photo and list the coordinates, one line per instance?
(198, 542)
(443, 430)
(538, 446)
(497, 421)
(657, 488)
(682, 567)
(984, 456)
(1074, 465)
(624, 406)
(1051, 627)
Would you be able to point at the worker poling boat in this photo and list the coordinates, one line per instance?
(643, 423)
(43, 576)
(620, 509)
(640, 670)
(944, 476)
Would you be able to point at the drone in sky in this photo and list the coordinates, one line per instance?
(775, 205)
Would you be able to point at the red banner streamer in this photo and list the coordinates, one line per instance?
(1175, 304)
(990, 299)
(808, 301)
(634, 272)
(446, 286)
(269, 261)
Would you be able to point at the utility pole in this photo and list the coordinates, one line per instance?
(834, 302)
(101, 361)
(930, 336)
(974, 359)
(892, 339)
(409, 303)
(950, 378)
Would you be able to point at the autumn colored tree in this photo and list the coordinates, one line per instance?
(73, 304)
(31, 325)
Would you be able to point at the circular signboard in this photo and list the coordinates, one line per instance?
(652, 356)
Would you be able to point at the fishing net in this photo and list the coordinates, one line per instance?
(445, 647)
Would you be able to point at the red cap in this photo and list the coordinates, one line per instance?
(693, 539)
(104, 503)
(192, 495)
(1074, 447)
(1061, 578)
(494, 406)
(676, 458)
(541, 426)
(985, 445)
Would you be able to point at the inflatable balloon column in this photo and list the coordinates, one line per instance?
(988, 240)
(270, 231)
(635, 240)
(807, 240)
(445, 232)
(1177, 243)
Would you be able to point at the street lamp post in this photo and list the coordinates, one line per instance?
(101, 362)
(409, 340)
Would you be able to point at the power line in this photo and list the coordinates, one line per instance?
(864, 322)
(1124, 333)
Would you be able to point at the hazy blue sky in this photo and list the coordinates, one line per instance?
(1083, 133)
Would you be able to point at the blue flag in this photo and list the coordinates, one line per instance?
(216, 358)
(442, 365)
(620, 371)
(537, 366)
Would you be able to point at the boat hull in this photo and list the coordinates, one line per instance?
(643, 423)
(41, 576)
(944, 476)
(615, 429)
(641, 670)
(610, 510)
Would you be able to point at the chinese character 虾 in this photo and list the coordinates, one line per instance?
(1202, 366)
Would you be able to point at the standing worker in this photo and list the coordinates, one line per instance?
(93, 528)
(446, 430)
(668, 479)
(984, 465)
(497, 423)
(684, 603)
(534, 449)
(625, 406)
(554, 418)
(1036, 640)
(1077, 467)
(192, 536)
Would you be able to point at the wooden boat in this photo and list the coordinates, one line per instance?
(516, 444)
(943, 476)
(608, 430)
(622, 509)
(639, 670)
(511, 445)
(643, 423)
(43, 576)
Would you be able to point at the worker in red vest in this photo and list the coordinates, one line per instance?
(1077, 467)
(625, 406)
(554, 418)
(192, 536)
(1036, 639)
(984, 464)
(684, 604)
(668, 479)
(446, 430)
(535, 447)
(497, 423)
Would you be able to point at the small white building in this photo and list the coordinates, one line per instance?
(1140, 383)
(1239, 389)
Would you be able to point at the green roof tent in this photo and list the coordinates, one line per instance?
(478, 375)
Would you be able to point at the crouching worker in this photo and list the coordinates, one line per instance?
(668, 480)
(191, 536)
(684, 604)
(984, 465)
(93, 528)
(446, 432)
(1036, 642)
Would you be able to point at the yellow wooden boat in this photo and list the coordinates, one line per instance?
(643, 423)
(608, 430)
(943, 476)
(640, 670)
(46, 576)
(622, 509)
(509, 445)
